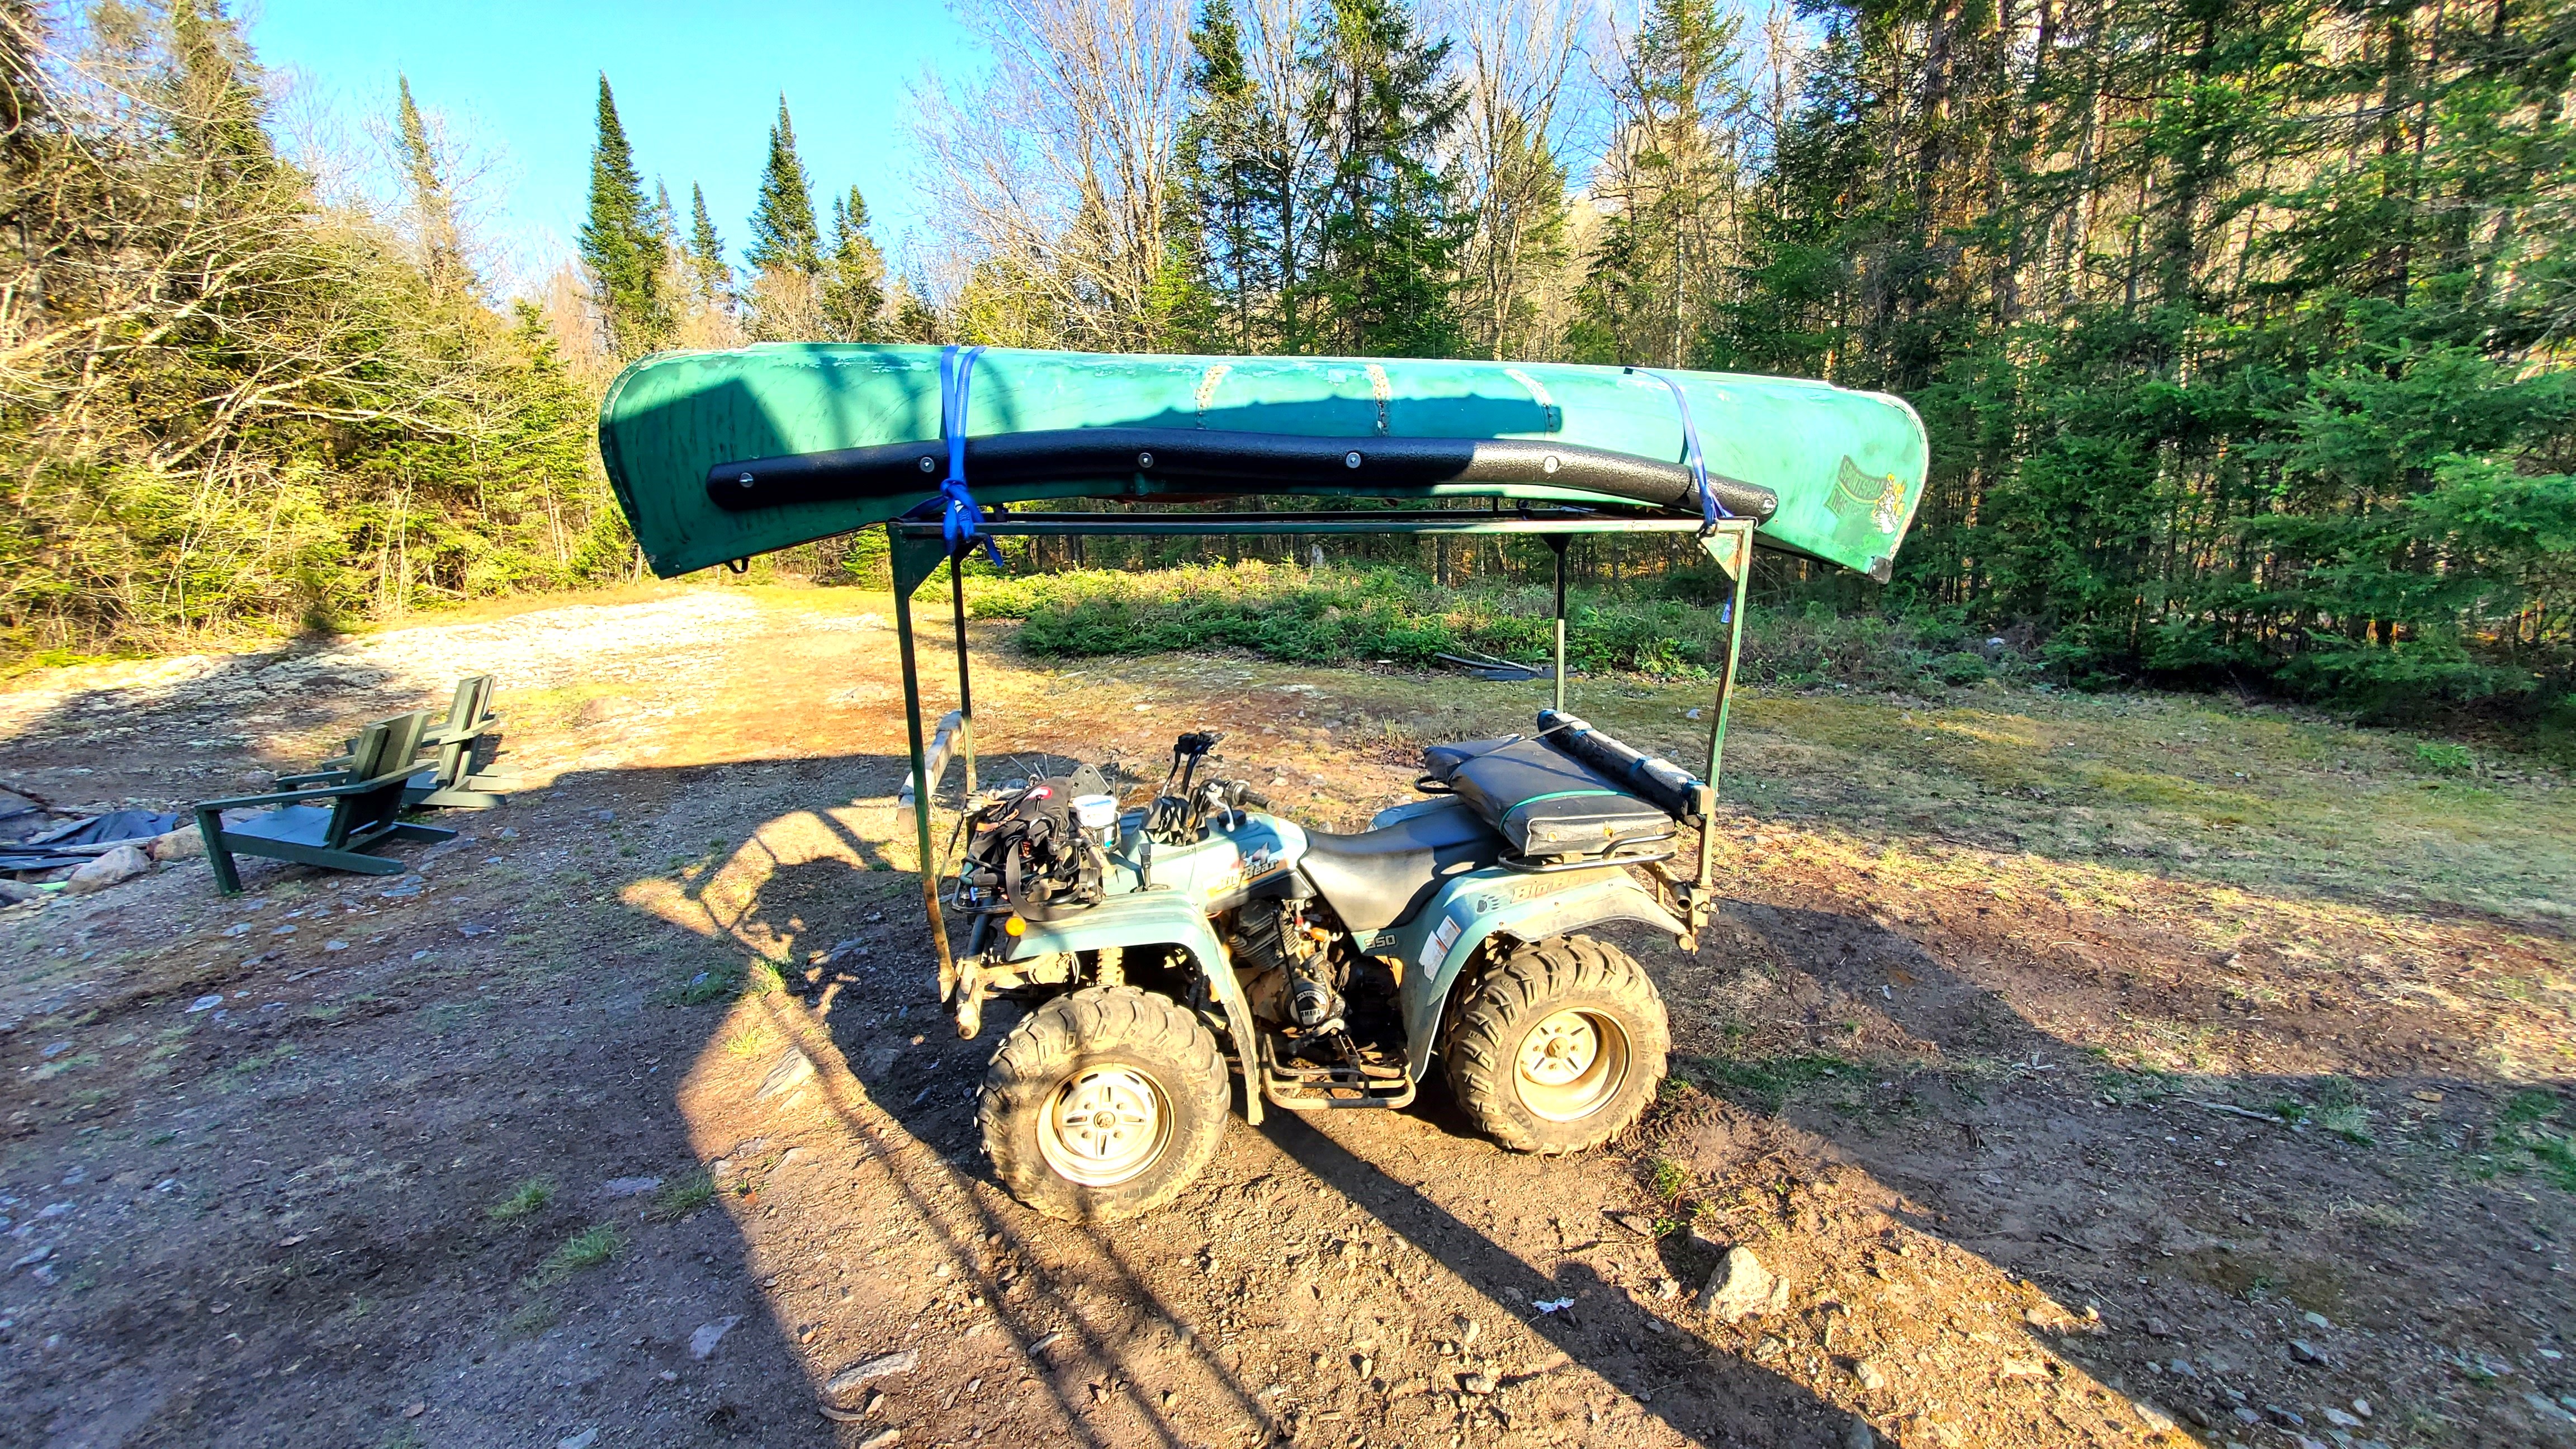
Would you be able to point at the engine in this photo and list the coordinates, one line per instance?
(1274, 935)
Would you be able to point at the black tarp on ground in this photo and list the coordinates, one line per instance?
(93, 838)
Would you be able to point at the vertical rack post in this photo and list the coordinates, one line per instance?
(1558, 541)
(912, 562)
(965, 691)
(1732, 546)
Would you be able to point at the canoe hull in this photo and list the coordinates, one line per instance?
(1847, 467)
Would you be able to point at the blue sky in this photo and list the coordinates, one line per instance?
(697, 86)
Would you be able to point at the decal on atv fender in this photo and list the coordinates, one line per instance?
(1443, 936)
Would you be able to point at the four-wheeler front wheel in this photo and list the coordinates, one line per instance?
(1103, 1104)
(1558, 1047)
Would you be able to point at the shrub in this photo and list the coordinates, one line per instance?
(2441, 757)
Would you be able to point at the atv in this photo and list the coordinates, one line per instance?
(1164, 945)
(1338, 966)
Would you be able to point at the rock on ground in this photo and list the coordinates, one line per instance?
(1742, 1286)
(857, 1375)
(114, 868)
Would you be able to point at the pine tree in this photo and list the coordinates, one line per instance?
(222, 112)
(433, 209)
(708, 271)
(619, 248)
(783, 235)
(666, 222)
(1228, 268)
(1391, 233)
(854, 296)
(1657, 262)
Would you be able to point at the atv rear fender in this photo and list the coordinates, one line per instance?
(1142, 920)
(1437, 944)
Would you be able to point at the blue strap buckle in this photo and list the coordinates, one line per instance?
(962, 525)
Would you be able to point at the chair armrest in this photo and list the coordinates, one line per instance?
(444, 735)
(297, 797)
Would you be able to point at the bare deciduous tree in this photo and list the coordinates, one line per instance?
(1055, 170)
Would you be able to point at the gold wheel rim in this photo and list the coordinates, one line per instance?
(1571, 1065)
(1104, 1126)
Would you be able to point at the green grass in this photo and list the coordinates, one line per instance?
(2441, 757)
(256, 1062)
(588, 1248)
(715, 983)
(1773, 1079)
(1341, 615)
(60, 1065)
(524, 1200)
(2528, 1106)
(1669, 1178)
(682, 1196)
(2523, 1125)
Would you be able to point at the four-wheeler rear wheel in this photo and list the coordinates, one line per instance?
(1103, 1104)
(1558, 1046)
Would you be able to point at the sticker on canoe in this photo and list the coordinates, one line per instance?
(1884, 498)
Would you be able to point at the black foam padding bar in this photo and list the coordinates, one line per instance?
(1216, 461)
(1658, 781)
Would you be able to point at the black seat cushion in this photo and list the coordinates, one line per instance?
(1379, 878)
(1441, 762)
(1550, 806)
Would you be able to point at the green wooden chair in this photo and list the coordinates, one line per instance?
(451, 782)
(334, 824)
(447, 780)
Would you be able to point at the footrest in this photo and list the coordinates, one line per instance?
(1316, 1087)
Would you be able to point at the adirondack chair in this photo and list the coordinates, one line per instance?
(332, 825)
(469, 718)
(445, 781)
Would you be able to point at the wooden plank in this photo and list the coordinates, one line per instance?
(937, 765)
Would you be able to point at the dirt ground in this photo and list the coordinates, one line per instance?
(2091, 1070)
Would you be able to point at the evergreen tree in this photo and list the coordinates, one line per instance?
(853, 276)
(620, 248)
(222, 110)
(783, 235)
(1225, 275)
(433, 209)
(1655, 265)
(1391, 234)
(709, 274)
(666, 222)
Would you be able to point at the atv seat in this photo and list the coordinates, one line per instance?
(1379, 878)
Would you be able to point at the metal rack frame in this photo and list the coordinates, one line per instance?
(918, 547)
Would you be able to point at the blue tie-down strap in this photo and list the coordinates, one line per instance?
(963, 524)
(1710, 510)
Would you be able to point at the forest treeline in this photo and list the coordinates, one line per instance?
(226, 396)
(2240, 329)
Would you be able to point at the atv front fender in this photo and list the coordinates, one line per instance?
(1145, 919)
(1437, 944)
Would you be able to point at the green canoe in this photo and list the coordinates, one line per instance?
(722, 455)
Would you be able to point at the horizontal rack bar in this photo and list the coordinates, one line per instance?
(1426, 521)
